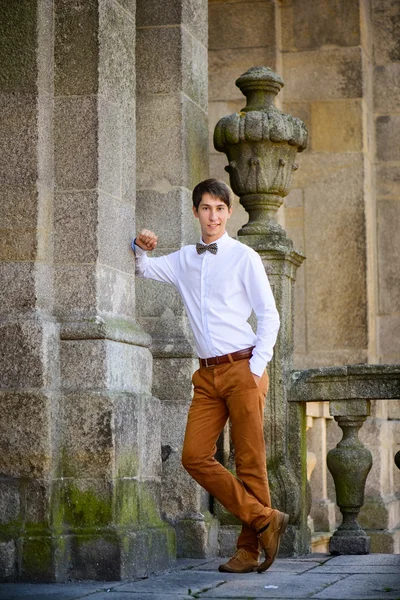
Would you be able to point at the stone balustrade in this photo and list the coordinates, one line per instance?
(349, 391)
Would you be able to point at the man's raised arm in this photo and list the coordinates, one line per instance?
(162, 268)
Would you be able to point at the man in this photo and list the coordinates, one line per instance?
(221, 281)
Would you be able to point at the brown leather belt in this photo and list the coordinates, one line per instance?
(226, 358)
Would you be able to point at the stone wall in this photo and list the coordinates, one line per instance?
(340, 65)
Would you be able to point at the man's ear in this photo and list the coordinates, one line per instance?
(230, 212)
(196, 214)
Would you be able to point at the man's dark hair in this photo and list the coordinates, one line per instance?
(214, 187)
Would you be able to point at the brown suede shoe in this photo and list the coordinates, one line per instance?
(241, 562)
(270, 538)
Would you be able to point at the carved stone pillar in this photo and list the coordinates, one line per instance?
(261, 145)
(350, 462)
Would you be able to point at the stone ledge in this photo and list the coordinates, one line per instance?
(351, 382)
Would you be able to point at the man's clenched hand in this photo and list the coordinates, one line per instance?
(147, 240)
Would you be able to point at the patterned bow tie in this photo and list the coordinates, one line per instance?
(213, 248)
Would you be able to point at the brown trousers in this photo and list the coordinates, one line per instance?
(222, 392)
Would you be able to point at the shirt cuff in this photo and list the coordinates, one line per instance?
(137, 249)
(257, 366)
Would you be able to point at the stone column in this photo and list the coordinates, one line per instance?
(172, 159)
(29, 347)
(261, 145)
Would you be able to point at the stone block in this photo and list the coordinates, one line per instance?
(11, 503)
(26, 349)
(76, 48)
(116, 291)
(75, 227)
(86, 424)
(171, 337)
(340, 74)
(76, 142)
(159, 141)
(388, 264)
(340, 296)
(19, 245)
(146, 551)
(227, 64)
(241, 24)
(83, 504)
(18, 35)
(193, 14)
(337, 126)
(156, 299)
(26, 446)
(159, 60)
(385, 18)
(37, 510)
(128, 368)
(195, 143)
(83, 364)
(126, 419)
(96, 557)
(117, 44)
(195, 70)
(196, 538)
(172, 379)
(8, 560)
(75, 290)
(387, 88)
(110, 148)
(168, 212)
(227, 539)
(150, 438)
(314, 25)
(389, 338)
(18, 139)
(387, 181)
(19, 206)
(387, 135)
(115, 233)
(128, 142)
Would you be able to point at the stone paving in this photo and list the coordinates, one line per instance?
(317, 576)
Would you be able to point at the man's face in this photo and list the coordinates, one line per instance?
(213, 214)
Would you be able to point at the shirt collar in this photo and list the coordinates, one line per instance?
(221, 242)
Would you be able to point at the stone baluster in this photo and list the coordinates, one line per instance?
(261, 144)
(350, 463)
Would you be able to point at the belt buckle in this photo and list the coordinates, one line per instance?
(207, 365)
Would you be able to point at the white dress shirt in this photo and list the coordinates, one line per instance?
(219, 292)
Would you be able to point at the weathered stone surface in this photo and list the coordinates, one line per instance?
(100, 364)
(318, 24)
(229, 29)
(197, 538)
(389, 267)
(19, 206)
(387, 88)
(153, 304)
(18, 136)
(109, 147)
(176, 389)
(75, 145)
(166, 211)
(191, 13)
(347, 382)
(26, 353)
(116, 293)
(75, 225)
(150, 437)
(341, 293)
(385, 21)
(340, 74)
(115, 233)
(372, 585)
(117, 66)
(128, 141)
(389, 336)
(226, 64)
(75, 290)
(337, 126)
(76, 48)
(26, 447)
(387, 134)
(388, 181)
(8, 560)
(172, 59)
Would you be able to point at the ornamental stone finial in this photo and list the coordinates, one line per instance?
(261, 144)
